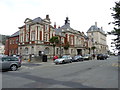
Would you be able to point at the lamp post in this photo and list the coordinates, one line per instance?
(60, 45)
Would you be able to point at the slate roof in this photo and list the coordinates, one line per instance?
(15, 34)
(37, 20)
(95, 28)
(58, 31)
(66, 26)
(86, 37)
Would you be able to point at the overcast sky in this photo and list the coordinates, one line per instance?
(82, 13)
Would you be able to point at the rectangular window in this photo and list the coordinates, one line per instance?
(13, 41)
(46, 27)
(38, 28)
(71, 51)
(27, 37)
(21, 39)
(46, 37)
(57, 51)
(10, 42)
(27, 26)
(62, 40)
(33, 36)
(17, 41)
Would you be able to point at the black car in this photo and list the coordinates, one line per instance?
(77, 58)
(101, 57)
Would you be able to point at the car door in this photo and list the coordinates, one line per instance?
(69, 58)
(5, 63)
(14, 60)
(0, 63)
(66, 59)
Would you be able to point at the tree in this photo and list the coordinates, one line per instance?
(4, 38)
(116, 31)
(66, 47)
(54, 40)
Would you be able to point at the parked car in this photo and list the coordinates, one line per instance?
(10, 63)
(77, 58)
(101, 57)
(18, 56)
(64, 59)
(87, 57)
(107, 56)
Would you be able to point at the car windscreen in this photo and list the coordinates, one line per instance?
(65, 56)
(77, 56)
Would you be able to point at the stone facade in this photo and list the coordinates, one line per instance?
(34, 38)
(98, 37)
(78, 40)
(35, 34)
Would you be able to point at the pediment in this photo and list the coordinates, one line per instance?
(27, 20)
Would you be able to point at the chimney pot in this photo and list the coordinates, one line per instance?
(47, 17)
(54, 24)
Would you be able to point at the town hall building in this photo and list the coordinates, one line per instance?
(35, 34)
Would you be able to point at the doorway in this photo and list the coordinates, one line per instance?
(79, 51)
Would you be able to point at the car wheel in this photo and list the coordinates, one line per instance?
(56, 63)
(14, 67)
(63, 62)
(70, 61)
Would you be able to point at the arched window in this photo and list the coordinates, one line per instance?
(46, 51)
(32, 50)
(26, 50)
(57, 50)
(62, 51)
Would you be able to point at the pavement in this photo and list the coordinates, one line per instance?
(25, 62)
(49, 62)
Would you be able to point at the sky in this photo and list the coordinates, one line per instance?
(82, 14)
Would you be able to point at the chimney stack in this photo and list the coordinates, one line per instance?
(47, 17)
(96, 24)
(101, 28)
(54, 24)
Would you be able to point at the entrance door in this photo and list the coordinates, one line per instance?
(79, 51)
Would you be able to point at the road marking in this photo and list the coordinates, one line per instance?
(116, 65)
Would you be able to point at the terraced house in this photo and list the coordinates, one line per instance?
(35, 34)
(11, 45)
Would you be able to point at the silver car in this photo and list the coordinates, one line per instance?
(64, 59)
(87, 57)
(9, 62)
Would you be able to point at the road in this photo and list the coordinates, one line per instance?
(87, 74)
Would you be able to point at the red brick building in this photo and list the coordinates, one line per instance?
(11, 46)
(34, 37)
